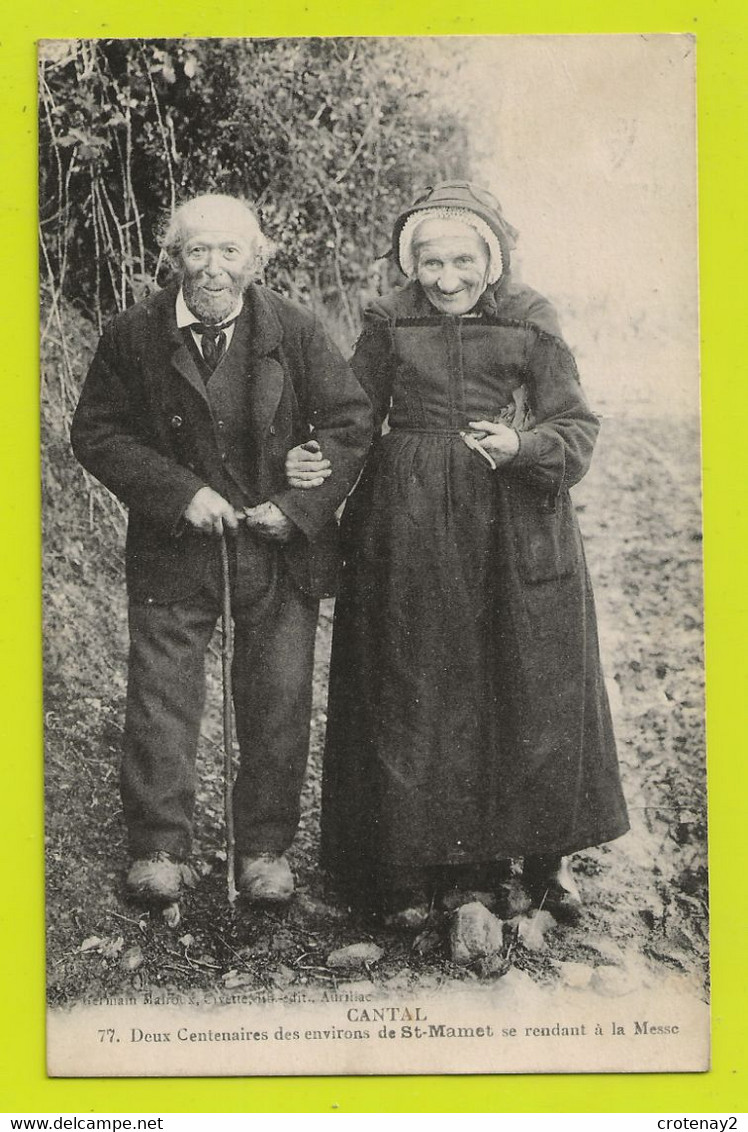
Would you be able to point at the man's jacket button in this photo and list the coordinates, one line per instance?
(272, 430)
(176, 421)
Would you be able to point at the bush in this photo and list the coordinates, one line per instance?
(330, 137)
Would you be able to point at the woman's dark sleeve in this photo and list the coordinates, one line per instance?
(557, 451)
(373, 365)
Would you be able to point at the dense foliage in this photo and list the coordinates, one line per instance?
(329, 136)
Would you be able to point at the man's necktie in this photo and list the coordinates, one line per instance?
(212, 341)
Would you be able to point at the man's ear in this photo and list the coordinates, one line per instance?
(256, 271)
(168, 268)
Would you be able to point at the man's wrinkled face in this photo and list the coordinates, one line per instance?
(451, 265)
(218, 257)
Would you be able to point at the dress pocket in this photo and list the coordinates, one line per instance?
(546, 535)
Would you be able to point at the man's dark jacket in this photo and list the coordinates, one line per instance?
(147, 428)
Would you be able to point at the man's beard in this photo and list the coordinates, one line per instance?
(211, 307)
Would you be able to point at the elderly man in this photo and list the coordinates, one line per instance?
(191, 403)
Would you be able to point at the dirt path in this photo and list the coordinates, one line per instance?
(645, 894)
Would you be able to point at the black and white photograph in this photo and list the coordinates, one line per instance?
(372, 556)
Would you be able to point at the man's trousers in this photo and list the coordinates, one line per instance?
(274, 634)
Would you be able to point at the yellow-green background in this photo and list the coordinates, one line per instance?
(721, 27)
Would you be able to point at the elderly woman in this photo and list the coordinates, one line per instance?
(468, 720)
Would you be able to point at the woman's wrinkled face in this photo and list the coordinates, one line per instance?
(451, 265)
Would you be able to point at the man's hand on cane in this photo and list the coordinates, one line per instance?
(210, 513)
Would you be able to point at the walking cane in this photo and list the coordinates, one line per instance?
(227, 654)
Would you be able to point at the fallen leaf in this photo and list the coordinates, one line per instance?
(282, 976)
(532, 930)
(401, 980)
(171, 915)
(355, 956)
(110, 948)
(233, 979)
(132, 958)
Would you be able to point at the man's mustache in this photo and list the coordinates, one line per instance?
(192, 282)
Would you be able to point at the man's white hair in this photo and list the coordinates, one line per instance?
(172, 233)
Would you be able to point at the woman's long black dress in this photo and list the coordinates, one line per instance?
(468, 720)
